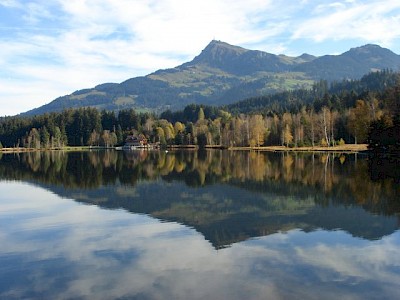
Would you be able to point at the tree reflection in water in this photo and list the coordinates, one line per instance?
(227, 195)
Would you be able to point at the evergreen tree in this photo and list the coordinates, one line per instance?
(120, 135)
(44, 137)
(57, 138)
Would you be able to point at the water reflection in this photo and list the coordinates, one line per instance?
(93, 169)
(227, 196)
(54, 248)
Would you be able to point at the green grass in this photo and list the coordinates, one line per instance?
(83, 96)
(125, 100)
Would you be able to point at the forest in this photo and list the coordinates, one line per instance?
(328, 178)
(351, 111)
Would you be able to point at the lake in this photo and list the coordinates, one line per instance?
(198, 225)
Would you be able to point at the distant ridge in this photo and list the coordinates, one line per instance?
(223, 74)
(240, 61)
(352, 64)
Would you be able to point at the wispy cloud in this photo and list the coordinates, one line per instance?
(370, 21)
(98, 41)
(9, 3)
(112, 254)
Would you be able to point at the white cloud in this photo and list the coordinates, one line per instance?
(35, 12)
(109, 254)
(9, 3)
(370, 21)
(98, 41)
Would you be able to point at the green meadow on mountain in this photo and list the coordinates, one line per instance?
(230, 97)
(223, 74)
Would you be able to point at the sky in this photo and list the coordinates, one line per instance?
(51, 48)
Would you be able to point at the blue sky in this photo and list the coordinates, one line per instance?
(49, 48)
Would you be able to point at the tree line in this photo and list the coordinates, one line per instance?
(335, 178)
(363, 111)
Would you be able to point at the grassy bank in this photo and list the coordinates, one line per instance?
(342, 148)
(22, 149)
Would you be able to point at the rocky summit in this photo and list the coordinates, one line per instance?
(223, 74)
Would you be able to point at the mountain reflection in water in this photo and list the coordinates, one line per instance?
(226, 196)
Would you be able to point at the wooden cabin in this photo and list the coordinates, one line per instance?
(133, 141)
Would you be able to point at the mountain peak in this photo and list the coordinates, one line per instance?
(223, 73)
(375, 54)
(216, 43)
(368, 46)
(369, 49)
(216, 51)
(220, 44)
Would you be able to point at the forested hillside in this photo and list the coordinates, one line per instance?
(337, 95)
(357, 111)
(223, 74)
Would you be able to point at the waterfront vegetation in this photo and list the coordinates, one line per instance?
(145, 223)
(299, 181)
(350, 112)
(326, 174)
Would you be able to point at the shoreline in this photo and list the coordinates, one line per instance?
(349, 148)
(23, 150)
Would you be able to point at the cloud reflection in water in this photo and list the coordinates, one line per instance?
(56, 248)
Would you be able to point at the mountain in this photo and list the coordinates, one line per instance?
(352, 64)
(223, 74)
(222, 200)
(242, 62)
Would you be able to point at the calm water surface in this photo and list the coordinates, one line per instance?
(198, 225)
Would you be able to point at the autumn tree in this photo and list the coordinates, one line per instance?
(148, 126)
(33, 139)
(325, 123)
(215, 131)
(94, 138)
(298, 129)
(359, 121)
(239, 131)
(106, 138)
(273, 126)
(200, 115)
(257, 130)
(160, 135)
(179, 127)
(286, 135)
(169, 133)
